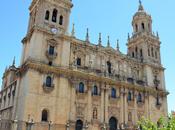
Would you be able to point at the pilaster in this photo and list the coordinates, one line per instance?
(107, 103)
(135, 110)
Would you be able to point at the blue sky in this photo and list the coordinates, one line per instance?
(110, 17)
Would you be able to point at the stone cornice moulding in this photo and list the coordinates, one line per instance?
(69, 73)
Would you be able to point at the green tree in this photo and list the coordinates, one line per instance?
(162, 124)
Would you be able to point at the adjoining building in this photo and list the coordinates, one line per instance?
(64, 83)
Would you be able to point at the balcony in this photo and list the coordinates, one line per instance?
(47, 88)
(140, 104)
(140, 82)
(130, 80)
(51, 56)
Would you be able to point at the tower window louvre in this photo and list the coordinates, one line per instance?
(143, 26)
(156, 54)
(61, 20)
(136, 26)
(54, 16)
(47, 15)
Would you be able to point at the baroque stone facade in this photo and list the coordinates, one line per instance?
(64, 83)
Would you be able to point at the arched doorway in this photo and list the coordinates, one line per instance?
(113, 123)
(79, 125)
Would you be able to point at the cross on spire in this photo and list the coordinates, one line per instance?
(140, 2)
(140, 6)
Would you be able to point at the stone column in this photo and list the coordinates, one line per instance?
(73, 100)
(89, 115)
(107, 103)
(102, 105)
(125, 107)
(135, 110)
(14, 125)
(121, 105)
(146, 105)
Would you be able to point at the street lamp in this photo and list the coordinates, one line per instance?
(50, 123)
(122, 126)
(29, 124)
(67, 125)
(86, 126)
(104, 126)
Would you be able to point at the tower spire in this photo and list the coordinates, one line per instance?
(99, 40)
(108, 44)
(73, 30)
(87, 35)
(13, 64)
(118, 47)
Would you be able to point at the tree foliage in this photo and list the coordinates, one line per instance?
(162, 124)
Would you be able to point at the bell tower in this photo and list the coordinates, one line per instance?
(49, 19)
(50, 15)
(144, 47)
(144, 44)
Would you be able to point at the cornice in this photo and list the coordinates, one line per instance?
(92, 77)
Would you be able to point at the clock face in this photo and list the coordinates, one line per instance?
(54, 30)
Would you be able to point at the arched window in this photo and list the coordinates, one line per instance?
(143, 26)
(139, 99)
(47, 15)
(109, 67)
(44, 116)
(113, 93)
(61, 20)
(48, 81)
(81, 88)
(113, 123)
(95, 90)
(136, 27)
(54, 15)
(79, 125)
(95, 113)
(129, 96)
(79, 61)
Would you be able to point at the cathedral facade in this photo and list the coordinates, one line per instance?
(64, 83)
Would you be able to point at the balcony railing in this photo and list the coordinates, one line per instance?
(114, 76)
(51, 56)
(48, 88)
